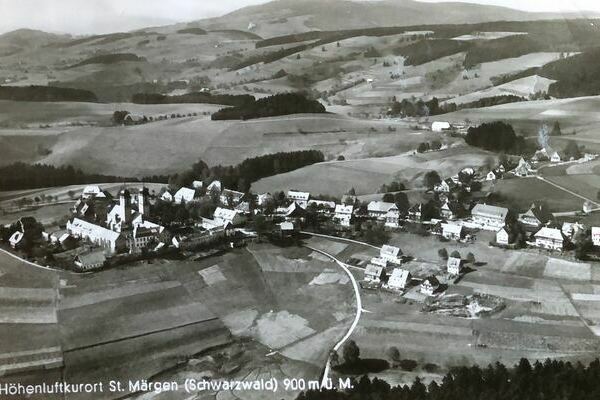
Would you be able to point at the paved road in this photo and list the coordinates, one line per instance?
(359, 311)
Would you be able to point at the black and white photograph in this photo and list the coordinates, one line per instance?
(300, 199)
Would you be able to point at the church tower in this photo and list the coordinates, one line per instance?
(143, 202)
(125, 209)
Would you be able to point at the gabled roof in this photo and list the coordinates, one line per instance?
(380, 206)
(399, 277)
(433, 281)
(92, 230)
(453, 261)
(224, 214)
(376, 270)
(185, 194)
(487, 211)
(92, 258)
(233, 193)
(343, 209)
(214, 185)
(391, 251)
(452, 228)
(549, 233)
(16, 237)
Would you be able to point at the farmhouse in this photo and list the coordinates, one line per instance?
(184, 195)
(197, 184)
(214, 186)
(445, 186)
(440, 126)
(596, 235)
(430, 285)
(231, 198)
(299, 197)
(93, 192)
(374, 273)
(263, 199)
(415, 213)
(142, 237)
(379, 209)
(89, 261)
(454, 265)
(167, 196)
(504, 236)
(343, 214)
(399, 279)
(549, 238)
(489, 217)
(452, 231)
(294, 210)
(17, 240)
(391, 254)
(452, 210)
(227, 217)
(491, 176)
(537, 215)
(392, 218)
(523, 169)
(570, 230)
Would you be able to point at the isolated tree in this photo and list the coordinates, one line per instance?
(401, 200)
(352, 192)
(471, 258)
(556, 129)
(436, 145)
(341, 158)
(423, 147)
(388, 197)
(351, 352)
(393, 354)
(443, 254)
(71, 194)
(431, 179)
(455, 254)
(338, 44)
(572, 150)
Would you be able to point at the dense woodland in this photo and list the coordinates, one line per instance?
(279, 104)
(197, 97)
(241, 176)
(109, 59)
(550, 380)
(496, 136)
(19, 176)
(45, 93)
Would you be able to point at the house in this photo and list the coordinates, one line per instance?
(97, 234)
(17, 240)
(504, 236)
(523, 169)
(243, 208)
(90, 261)
(343, 214)
(489, 217)
(571, 229)
(501, 169)
(184, 195)
(440, 126)
(454, 266)
(452, 210)
(445, 186)
(430, 285)
(197, 184)
(214, 186)
(549, 238)
(379, 209)
(537, 215)
(374, 273)
(143, 236)
(263, 199)
(391, 254)
(227, 216)
(452, 231)
(491, 176)
(415, 213)
(299, 197)
(392, 218)
(287, 229)
(555, 157)
(231, 198)
(293, 211)
(167, 196)
(596, 235)
(399, 279)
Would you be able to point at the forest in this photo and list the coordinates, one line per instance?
(278, 104)
(46, 93)
(550, 380)
(496, 136)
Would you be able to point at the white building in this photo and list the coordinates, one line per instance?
(299, 197)
(430, 285)
(231, 198)
(440, 126)
(184, 195)
(227, 216)
(379, 209)
(399, 279)
(96, 234)
(214, 186)
(549, 238)
(16, 239)
(489, 217)
(374, 273)
(343, 214)
(392, 218)
(452, 231)
(596, 235)
(491, 176)
(454, 266)
(391, 254)
(167, 196)
(503, 236)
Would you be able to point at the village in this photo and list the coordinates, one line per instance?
(106, 230)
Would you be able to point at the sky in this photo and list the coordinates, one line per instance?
(103, 16)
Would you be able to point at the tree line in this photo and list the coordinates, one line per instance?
(20, 176)
(46, 93)
(549, 380)
(278, 104)
(250, 170)
(196, 97)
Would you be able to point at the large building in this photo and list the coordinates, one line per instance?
(379, 209)
(299, 197)
(549, 238)
(98, 235)
(489, 217)
(343, 214)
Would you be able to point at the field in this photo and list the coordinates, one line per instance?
(548, 309)
(521, 192)
(367, 175)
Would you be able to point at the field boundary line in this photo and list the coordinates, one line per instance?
(339, 238)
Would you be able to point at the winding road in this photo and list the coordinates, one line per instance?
(340, 343)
